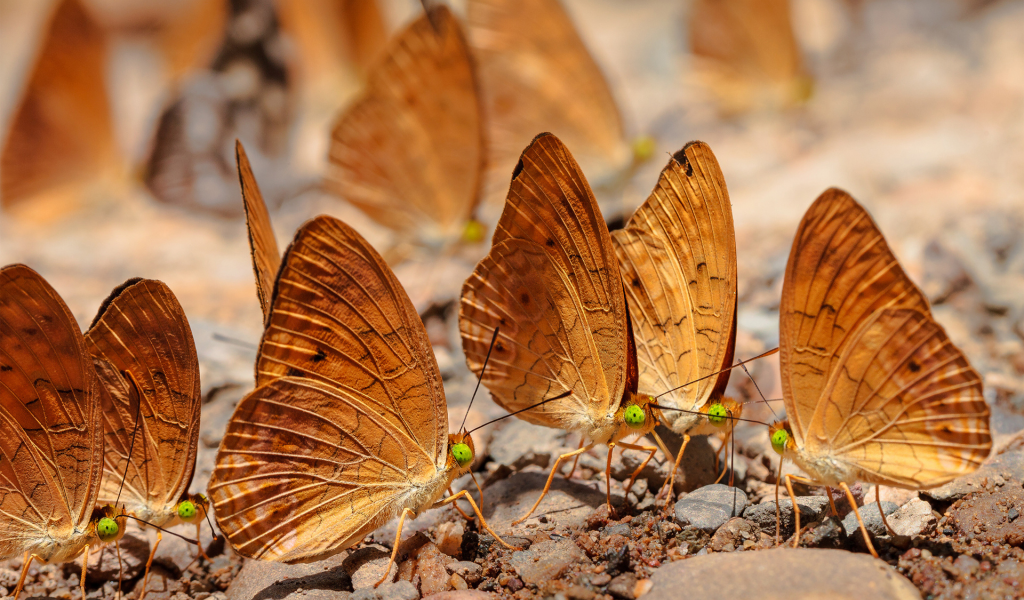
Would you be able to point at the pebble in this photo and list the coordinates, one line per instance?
(449, 538)
(737, 534)
(469, 571)
(811, 509)
(872, 520)
(913, 519)
(546, 561)
(623, 586)
(709, 507)
(460, 595)
(828, 534)
(783, 574)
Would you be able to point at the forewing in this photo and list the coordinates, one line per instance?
(141, 329)
(904, 404)
(840, 271)
(307, 469)
(537, 75)
(409, 152)
(339, 315)
(677, 255)
(266, 258)
(553, 233)
(51, 440)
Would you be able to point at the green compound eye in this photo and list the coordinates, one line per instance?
(473, 232)
(779, 440)
(717, 414)
(186, 510)
(463, 455)
(634, 416)
(106, 529)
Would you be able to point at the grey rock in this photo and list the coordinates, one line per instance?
(567, 504)
(470, 571)
(105, 565)
(623, 586)
(827, 534)
(913, 519)
(366, 566)
(546, 560)
(162, 584)
(265, 580)
(872, 519)
(710, 507)
(782, 574)
(519, 444)
(697, 467)
(811, 509)
(400, 590)
(1008, 465)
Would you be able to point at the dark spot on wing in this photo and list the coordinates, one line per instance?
(319, 356)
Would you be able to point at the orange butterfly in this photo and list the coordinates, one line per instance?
(874, 389)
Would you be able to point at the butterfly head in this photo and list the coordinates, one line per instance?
(460, 452)
(109, 523)
(193, 507)
(638, 414)
(782, 437)
(720, 411)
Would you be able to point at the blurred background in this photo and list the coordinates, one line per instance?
(118, 120)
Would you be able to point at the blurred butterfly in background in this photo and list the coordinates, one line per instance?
(677, 255)
(348, 425)
(537, 75)
(51, 430)
(551, 284)
(874, 389)
(409, 152)
(146, 346)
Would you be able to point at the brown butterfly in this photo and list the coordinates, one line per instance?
(61, 132)
(329, 32)
(266, 258)
(410, 151)
(536, 74)
(51, 433)
(151, 436)
(874, 389)
(677, 255)
(551, 284)
(348, 426)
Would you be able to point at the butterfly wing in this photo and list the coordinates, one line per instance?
(903, 405)
(51, 439)
(409, 153)
(551, 284)
(61, 131)
(537, 75)
(266, 258)
(677, 255)
(349, 406)
(141, 329)
(840, 272)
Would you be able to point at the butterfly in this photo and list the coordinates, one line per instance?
(536, 74)
(266, 258)
(151, 412)
(874, 389)
(677, 256)
(551, 284)
(409, 152)
(51, 432)
(61, 133)
(348, 425)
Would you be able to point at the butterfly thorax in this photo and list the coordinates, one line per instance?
(821, 468)
(460, 455)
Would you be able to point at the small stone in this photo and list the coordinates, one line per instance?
(546, 561)
(642, 587)
(470, 571)
(734, 534)
(366, 566)
(623, 587)
(872, 520)
(460, 595)
(709, 507)
(449, 538)
(828, 534)
(430, 566)
(811, 509)
(600, 579)
(457, 583)
(913, 519)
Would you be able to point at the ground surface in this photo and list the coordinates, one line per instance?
(918, 112)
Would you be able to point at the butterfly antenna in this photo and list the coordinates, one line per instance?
(138, 419)
(235, 341)
(187, 539)
(541, 403)
(697, 412)
(494, 338)
(759, 393)
(741, 363)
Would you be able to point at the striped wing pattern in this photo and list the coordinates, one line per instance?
(266, 258)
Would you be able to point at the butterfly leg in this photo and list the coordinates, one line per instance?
(878, 501)
(85, 564)
(608, 479)
(547, 485)
(725, 444)
(120, 570)
(149, 563)
(199, 543)
(24, 571)
(832, 503)
(860, 522)
(670, 484)
(650, 450)
(398, 538)
(455, 505)
(476, 509)
(479, 489)
(575, 461)
(796, 509)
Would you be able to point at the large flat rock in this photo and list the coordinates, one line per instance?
(781, 574)
(567, 503)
